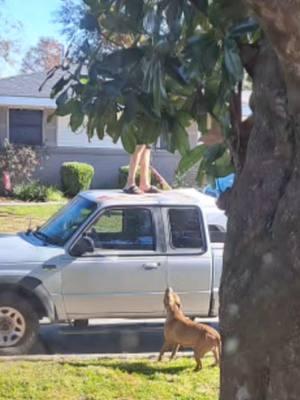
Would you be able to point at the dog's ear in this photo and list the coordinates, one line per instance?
(169, 291)
(169, 298)
(177, 301)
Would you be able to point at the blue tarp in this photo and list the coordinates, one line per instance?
(221, 185)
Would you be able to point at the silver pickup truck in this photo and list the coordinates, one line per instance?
(108, 254)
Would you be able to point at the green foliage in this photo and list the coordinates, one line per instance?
(35, 191)
(155, 62)
(76, 177)
(20, 161)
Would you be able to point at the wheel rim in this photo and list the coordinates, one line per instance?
(12, 326)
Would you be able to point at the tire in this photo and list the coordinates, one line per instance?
(19, 325)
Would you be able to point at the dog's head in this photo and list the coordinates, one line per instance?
(171, 300)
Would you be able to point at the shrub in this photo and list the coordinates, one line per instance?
(35, 191)
(123, 175)
(53, 194)
(19, 161)
(76, 177)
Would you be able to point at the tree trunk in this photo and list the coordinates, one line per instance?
(260, 290)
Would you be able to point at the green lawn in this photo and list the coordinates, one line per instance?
(106, 380)
(17, 218)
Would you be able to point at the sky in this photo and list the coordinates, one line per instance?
(36, 17)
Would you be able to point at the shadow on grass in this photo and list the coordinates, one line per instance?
(135, 367)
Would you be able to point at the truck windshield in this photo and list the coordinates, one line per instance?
(59, 229)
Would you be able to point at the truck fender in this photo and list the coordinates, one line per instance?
(32, 287)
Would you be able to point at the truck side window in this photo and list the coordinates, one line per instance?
(185, 227)
(124, 229)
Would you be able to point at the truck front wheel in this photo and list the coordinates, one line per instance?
(19, 325)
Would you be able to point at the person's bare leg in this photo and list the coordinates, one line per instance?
(145, 183)
(135, 160)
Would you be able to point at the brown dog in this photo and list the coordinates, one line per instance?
(179, 331)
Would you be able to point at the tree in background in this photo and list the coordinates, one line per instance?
(73, 18)
(9, 36)
(43, 57)
(170, 62)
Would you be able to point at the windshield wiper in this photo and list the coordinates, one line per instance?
(40, 235)
(46, 239)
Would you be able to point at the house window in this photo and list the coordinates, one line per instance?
(26, 127)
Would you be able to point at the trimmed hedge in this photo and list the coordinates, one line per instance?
(76, 177)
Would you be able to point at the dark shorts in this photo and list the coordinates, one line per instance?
(148, 146)
(140, 141)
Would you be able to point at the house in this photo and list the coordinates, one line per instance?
(24, 111)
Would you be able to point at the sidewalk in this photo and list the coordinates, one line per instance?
(30, 203)
(88, 357)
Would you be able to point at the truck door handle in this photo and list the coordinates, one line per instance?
(150, 266)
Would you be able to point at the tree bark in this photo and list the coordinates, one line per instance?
(260, 290)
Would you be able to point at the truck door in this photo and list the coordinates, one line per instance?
(189, 261)
(126, 274)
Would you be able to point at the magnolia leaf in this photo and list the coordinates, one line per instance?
(249, 25)
(128, 138)
(100, 128)
(77, 117)
(202, 5)
(66, 108)
(190, 159)
(212, 153)
(205, 52)
(233, 61)
(62, 98)
(60, 84)
(181, 138)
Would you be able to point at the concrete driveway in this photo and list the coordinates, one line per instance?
(105, 336)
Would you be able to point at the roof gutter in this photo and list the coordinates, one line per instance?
(27, 102)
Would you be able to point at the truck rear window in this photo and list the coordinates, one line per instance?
(217, 234)
(185, 227)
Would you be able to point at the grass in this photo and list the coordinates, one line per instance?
(107, 380)
(17, 218)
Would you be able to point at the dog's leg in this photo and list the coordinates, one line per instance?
(215, 351)
(198, 354)
(175, 349)
(162, 351)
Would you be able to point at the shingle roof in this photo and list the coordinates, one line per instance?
(27, 85)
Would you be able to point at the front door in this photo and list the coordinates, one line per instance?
(126, 274)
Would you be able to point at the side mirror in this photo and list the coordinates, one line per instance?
(84, 245)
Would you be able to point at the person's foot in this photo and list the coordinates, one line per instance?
(132, 190)
(152, 189)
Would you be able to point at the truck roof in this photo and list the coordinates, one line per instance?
(174, 197)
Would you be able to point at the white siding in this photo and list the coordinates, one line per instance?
(67, 138)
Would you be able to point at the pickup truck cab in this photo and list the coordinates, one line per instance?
(108, 254)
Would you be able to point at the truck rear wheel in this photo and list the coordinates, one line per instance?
(19, 325)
